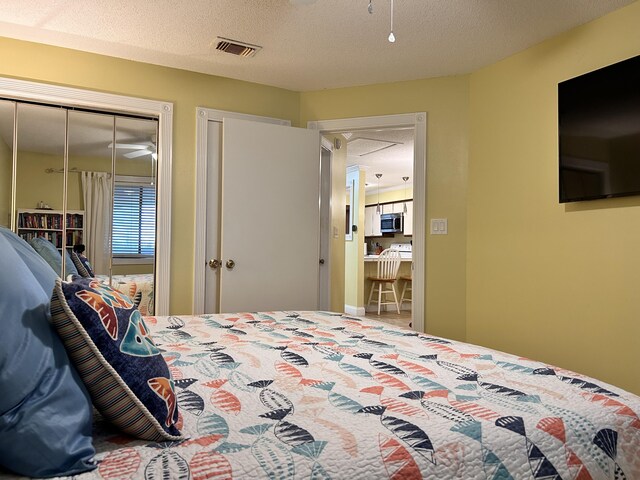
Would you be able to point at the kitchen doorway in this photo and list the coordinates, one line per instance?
(334, 129)
(382, 161)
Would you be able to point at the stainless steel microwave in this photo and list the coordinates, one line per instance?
(391, 222)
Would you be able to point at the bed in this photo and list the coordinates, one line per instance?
(138, 287)
(323, 395)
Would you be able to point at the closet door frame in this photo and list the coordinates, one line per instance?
(13, 89)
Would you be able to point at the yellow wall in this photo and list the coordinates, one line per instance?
(187, 90)
(556, 282)
(33, 184)
(446, 101)
(354, 248)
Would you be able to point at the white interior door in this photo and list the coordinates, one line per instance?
(269, 217)
(324, 301)
(212, 247)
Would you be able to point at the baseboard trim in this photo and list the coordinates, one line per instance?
(351, 310)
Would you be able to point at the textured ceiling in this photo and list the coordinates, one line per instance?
(393, 163)
(306, 45)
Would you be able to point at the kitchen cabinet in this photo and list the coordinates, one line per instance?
(371, 222)
(396, 207)
(368, 225)
(408, 219)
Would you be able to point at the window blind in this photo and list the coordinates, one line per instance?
(134, 220)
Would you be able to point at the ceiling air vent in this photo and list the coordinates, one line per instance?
(237, 48)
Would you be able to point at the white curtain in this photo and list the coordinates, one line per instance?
(96, 188)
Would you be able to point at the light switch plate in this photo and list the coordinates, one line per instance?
(439, 226)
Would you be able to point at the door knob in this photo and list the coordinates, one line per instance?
(214, 263)
(322, 261)
(230, 264)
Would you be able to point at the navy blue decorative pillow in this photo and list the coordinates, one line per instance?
(82, 264)
(87, 266)
(126, 375)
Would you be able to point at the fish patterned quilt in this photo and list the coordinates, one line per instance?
(315, 395)
(138, 287)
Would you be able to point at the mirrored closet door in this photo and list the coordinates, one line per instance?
(83, 181)
(7, 113)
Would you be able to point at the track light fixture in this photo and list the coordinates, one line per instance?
(378, 176)
(405, 194)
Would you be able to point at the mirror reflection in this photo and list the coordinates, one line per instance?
(349, 212)
(6, 161)
(107, 190)
(39, 197)
(134, 210)
(90, 157)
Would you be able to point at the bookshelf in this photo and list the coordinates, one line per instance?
(48, 223)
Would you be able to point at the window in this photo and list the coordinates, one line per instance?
(134, 218)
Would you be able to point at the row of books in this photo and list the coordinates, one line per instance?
(49, 221)
(74, 220)
(73, 238)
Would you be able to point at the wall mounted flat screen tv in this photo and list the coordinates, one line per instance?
(599, 133)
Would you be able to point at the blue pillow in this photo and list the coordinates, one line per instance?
(112, 349)
(45, 275)
(82, 264)
(52, 256)
(86, 264)
(45, 412)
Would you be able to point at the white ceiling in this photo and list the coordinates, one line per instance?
(306, 45)
(393, 162)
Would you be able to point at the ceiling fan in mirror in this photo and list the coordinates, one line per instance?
(139, 149)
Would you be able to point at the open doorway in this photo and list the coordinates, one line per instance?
(381, 160)
(370, 132)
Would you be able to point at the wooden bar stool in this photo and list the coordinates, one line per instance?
(387, 273)
(406, 288)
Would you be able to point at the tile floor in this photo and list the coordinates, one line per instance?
(392, 317)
